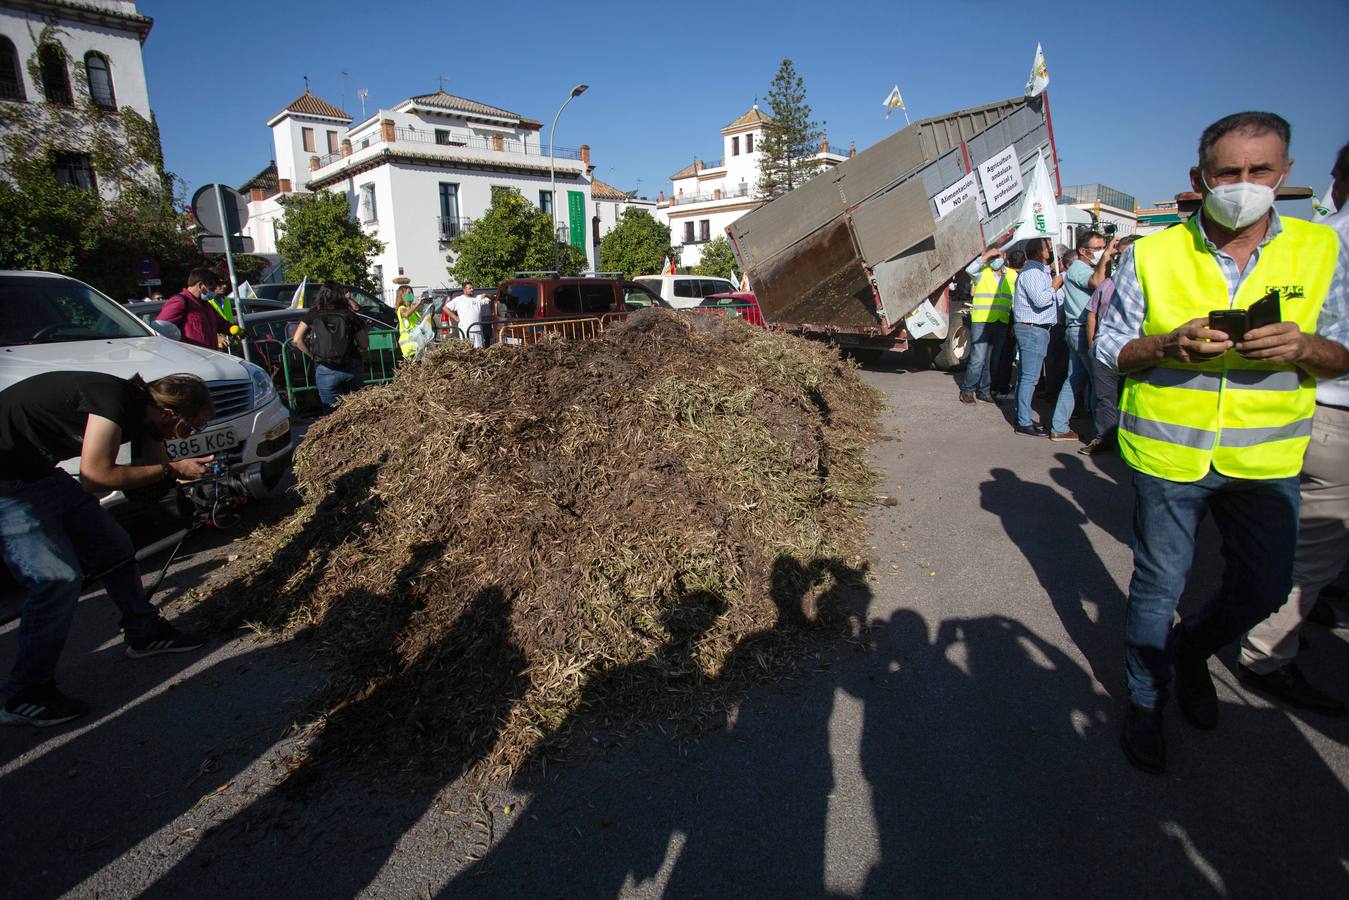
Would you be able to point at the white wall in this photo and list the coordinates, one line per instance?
(745, 166)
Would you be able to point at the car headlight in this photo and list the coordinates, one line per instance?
(263, 389)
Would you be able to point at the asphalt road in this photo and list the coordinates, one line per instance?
(965, 744)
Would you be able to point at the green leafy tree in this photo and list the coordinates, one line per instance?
(637, 245)
(718, 259)
(791, 139)
(512, 236)
(320, 241)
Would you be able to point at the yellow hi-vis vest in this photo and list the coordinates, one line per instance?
(1242, 417)
(406, 325)
(992, 296)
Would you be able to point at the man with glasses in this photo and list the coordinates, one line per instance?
(1213, 421)
(54, 533)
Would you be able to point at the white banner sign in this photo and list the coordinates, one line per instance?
(1000, 178)
(955, 195)
(925, 320)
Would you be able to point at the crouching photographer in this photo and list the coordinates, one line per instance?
(54, 532)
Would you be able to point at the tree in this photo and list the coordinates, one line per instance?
(790, 139)
(319, 240)
(512, 236)
(637, 245)
(717, 259)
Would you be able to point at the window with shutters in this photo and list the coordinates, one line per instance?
(307, 137)
(332, 142)
(688, 232)
(98, 72)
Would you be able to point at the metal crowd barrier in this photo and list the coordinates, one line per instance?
(380, 359)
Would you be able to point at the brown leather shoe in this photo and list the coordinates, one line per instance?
(1068, 435)
(967, 398)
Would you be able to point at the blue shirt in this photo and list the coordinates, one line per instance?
(1122, 321)
(1035, 302)
(1076, 294)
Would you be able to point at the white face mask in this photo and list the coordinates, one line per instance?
(1096, 257)
(1235, 206)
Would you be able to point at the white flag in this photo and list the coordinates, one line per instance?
(1039, 214)
(245, 292)
(297, 301)
(1039, 74)
(893, 101)
(1325, 206)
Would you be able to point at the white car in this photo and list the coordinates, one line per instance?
(53, 323)
(685, 291)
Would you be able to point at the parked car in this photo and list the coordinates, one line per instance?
(685, 291)
(542, 298)
(366, 302)
(50, 323)
(738, 303)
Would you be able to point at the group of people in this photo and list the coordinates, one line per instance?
(1043, 303)
(466, 315)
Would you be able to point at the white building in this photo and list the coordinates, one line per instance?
(1110, 209)
(64, 64)
(705, 199)
(418, 174)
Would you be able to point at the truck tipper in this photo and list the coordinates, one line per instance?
(851, 254)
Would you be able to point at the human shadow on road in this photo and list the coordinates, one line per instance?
(630, 828)
(76, 807)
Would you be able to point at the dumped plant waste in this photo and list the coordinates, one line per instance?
(501, 544)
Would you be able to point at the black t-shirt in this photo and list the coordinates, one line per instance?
(320, 324)
(42, 419)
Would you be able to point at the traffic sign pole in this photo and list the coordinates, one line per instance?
(229, 230)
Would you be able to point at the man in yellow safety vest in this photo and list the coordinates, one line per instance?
(990, 313)
(1217, 421)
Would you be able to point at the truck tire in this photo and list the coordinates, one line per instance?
(955, 349)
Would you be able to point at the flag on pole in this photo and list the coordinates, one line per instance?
(297, 301)
(245, 292)
(744, 282)
(671, 268)
(1039, 74)
(1325, 206)
(893, 101)
(1039, 214)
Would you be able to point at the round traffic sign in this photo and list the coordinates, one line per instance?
(207, 211)
(147, 267)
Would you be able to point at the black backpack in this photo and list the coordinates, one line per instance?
(332, 338)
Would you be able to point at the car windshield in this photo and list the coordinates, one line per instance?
(44, 310)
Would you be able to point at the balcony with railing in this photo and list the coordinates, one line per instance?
(453, 226)
(740, 190)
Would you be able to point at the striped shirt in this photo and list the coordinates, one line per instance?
(1035, 302)
(1122, 321)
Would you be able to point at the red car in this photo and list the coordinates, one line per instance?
(735, 303)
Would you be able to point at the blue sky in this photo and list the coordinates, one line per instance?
(1132, 85)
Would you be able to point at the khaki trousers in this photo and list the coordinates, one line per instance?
(1323, 542)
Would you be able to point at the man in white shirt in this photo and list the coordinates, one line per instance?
(466, 313)
(1268, 650)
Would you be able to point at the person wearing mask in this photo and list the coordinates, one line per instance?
(405, 308)
(990, 313)
(1212, 425)
(192, 313)
(53, 530)
(1035, 309)
(1076, 295)
(1104, 382)
(333, 335)
(465, 312)
(1267, 662)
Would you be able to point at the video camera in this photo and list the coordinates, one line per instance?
(211, 500)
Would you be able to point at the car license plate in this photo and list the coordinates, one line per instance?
(203, 444)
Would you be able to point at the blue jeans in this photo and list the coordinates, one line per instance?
(1079, 373)
(334, 382)
(1258, 521)
(54, 532)
(986, 347)
(1032, 342)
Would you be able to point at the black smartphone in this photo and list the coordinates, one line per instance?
(1231, 322)
(1265, 311)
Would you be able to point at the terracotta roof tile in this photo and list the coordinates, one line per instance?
(601, 191)
(754, 117)
(690, 170)
(309, 105)
(266, 179)
(442, 100)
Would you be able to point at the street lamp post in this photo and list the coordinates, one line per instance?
(552, 168)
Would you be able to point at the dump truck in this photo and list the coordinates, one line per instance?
(851, 255)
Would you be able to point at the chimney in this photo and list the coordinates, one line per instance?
(283, 185)
(716, 195)
(346, 147)
(824, 144)
(852, 149)
(387, 134)
(585, 154)
(257, 193)
(497, 143)
(661, 197)
(313, 163)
